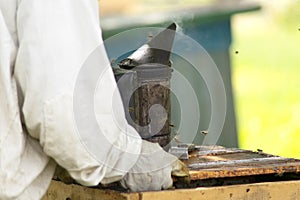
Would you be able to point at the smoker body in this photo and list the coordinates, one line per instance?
(144, 82)
(145, 92)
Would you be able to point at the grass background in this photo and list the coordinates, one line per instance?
(266, 78)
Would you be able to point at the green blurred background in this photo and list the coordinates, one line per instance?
(266, 80)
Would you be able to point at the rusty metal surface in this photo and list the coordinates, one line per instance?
(208, 162)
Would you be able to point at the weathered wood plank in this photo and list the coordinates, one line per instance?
(229, 172)
(61, 191)
(217, 162)
(289, 190)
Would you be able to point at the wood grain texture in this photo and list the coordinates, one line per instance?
(207, 162)
(246, 172)
(287, 190)
(61, 191)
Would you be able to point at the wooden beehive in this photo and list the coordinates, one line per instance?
(216, 173)
(216, 165)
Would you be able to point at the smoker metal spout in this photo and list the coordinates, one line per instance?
(157, 50)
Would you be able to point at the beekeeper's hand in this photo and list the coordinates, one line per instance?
(153, 169)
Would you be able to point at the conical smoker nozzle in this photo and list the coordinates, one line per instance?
(157, 50)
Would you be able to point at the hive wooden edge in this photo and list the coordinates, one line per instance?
(239, 172)
(61, 191)
(288, 190)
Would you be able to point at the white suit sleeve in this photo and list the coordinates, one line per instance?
(22, 161)
(57, 39)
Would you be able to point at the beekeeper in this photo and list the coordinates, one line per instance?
(43, 46)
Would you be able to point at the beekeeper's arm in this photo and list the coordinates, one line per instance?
(56, 38)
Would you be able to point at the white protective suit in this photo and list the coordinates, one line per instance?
(43, 44)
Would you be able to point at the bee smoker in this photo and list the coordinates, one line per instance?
(144, 82)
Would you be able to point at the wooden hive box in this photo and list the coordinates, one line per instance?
(216, 173)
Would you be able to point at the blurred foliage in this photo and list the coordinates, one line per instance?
(290, 18)
(127, 7)
(266, 81)
(169, 4)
